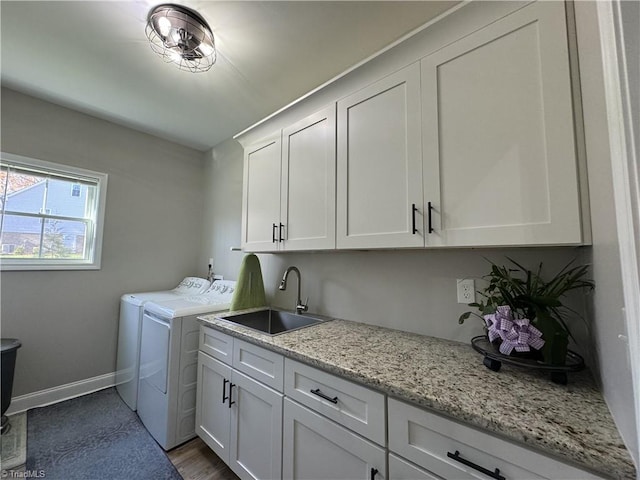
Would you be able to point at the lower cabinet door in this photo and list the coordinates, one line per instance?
(213, 416)
(400, 469)
(256, 429)
(315, 447)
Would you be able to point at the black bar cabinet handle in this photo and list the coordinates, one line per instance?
(495, 474)
(280, 236)
(224, 390)
(429, 207)
(374, 471)
(231, 402)
(273, 233)
(322, 395)
(413, 218)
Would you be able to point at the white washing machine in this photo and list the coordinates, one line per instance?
(169, 362)
(130, 328)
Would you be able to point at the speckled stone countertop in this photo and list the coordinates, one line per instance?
(570, 422)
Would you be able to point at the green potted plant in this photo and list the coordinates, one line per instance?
(529, 296)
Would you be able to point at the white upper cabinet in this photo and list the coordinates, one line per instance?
(498, 141)
(461, 136)
(380, 165)
(289, 187)
(308, 200)
(261, 195)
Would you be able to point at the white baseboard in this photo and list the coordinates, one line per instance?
(60, 393)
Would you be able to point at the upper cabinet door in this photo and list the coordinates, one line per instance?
(380, 165)
(498, 140)
(309, 182)
(261, 231)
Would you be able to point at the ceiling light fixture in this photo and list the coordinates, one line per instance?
(181, 36)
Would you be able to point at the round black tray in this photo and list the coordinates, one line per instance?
(493, 360)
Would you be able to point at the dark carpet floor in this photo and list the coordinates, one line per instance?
(94, 437)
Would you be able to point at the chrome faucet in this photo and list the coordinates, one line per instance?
(300, 307)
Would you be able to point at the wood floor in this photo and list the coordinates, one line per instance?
(195, 461)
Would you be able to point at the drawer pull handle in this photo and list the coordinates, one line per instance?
(495, 474)
(430, 207)
(273, 233)
(414, 230)
(374, 471)
(280, 237)
(231, 402)
(322, 395)
(224, 390)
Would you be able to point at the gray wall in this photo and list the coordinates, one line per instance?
(610, 331)
(629, 16)
(68, 320)
(223, 199)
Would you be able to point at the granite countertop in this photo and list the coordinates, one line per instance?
(570, 422)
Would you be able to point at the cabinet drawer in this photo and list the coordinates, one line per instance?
(427, 439)
(354, 406)
(263, 365)
(217, 344)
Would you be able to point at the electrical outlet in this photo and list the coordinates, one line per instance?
(466, 289)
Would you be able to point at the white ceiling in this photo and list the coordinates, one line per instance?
(93, 56)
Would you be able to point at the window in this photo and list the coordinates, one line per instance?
(51, 215)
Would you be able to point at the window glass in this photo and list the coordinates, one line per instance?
(25, 191)
(63, 239)
(24, 233)
(51, 215)
(60, 200)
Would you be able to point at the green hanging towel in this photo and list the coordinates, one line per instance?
(249, 291)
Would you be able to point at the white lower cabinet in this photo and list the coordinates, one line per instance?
(213, 417)
(353, 406)
(315, 447)
(239, 417)
(339, 433)
(448, 449)
(268, 417)
(256, 429)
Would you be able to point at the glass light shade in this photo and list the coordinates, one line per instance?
(180, 35)
(164, 25)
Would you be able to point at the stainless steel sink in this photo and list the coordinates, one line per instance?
(271, 321)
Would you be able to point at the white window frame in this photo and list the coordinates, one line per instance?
(94, 248)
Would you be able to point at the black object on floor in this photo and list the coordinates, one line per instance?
(93, 437)
(8, 350)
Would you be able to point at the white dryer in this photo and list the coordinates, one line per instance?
(130, 328)
(169, 361)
